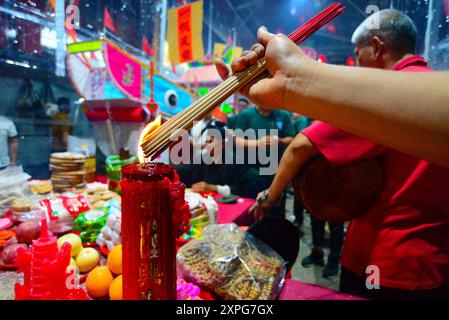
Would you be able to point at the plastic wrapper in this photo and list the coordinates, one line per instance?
(199, 205)
(90, 224)
(62, 211)
(110, 234)
(232, 263)
(88, 237)
(204, 211)
(12, 186)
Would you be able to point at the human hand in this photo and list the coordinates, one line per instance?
(267, 141)
(202, 187)
(284, 59)
(262, 207)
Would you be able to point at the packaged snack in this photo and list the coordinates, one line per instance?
(232, 263)
(90, 221)
(110, 234)
(13, 185)
(62, 211)
(65, 205)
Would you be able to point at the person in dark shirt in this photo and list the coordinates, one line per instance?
(218, 177)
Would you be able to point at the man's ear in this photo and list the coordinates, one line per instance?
(378, 47)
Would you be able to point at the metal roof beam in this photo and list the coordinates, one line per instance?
(248, 4)
(240, 19)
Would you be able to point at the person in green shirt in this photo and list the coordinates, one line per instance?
(300, 122)
(243, 104)
(262, 121)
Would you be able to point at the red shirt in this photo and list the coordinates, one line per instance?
(406, 234)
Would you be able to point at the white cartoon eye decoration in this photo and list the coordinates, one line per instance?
(171, 99)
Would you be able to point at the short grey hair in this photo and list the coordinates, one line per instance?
(396, 29)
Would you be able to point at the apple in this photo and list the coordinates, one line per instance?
(72, 239)
(28, 231)
(10, 253)
(87, 259)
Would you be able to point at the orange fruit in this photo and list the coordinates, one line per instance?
(116, 289)
(98, 282)
(115, 259)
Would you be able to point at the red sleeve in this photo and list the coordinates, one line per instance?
(341, 147)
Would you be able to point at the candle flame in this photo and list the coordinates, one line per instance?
(149, 128)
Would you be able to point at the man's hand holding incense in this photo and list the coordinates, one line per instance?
(285, 61)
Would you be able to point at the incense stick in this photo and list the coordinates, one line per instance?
(156, 141)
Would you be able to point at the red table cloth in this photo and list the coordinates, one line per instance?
(237, 213)
(297, 290)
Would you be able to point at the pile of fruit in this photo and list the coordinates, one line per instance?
(106, 280)
(103, 280)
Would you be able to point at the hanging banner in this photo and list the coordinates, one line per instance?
(125, 71)
(185, 33)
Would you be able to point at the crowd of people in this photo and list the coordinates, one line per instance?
(403, 235)
(399, 117)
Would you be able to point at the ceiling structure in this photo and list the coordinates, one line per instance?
(223, 20)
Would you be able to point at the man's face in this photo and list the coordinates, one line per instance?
(371, 53)
(364, 53)
(243, 105)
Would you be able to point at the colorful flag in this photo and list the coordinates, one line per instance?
(107, 21)
(185, 33)
(226, 53)
(147, 48)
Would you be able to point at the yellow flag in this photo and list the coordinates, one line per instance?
(226, 53)
(185, 33)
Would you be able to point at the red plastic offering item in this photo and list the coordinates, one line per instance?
(44, 268)
(153, 214)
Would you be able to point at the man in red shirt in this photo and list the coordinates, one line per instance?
(404, 237)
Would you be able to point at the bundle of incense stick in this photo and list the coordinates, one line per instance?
(159, 139)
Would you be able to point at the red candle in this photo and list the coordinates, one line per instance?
(152, 202)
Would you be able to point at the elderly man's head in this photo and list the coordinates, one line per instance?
(384, 38)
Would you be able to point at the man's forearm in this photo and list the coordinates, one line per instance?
(408, 112)
(297, 153)
(286, 141)
(245, 143)
(13, 150)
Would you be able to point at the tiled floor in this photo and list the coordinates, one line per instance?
(314, 273)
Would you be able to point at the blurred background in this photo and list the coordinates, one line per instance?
(33, 45)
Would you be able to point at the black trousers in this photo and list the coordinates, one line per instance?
(336, 237)
(354, 284)
(298, 209)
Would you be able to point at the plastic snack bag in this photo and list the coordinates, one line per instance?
(13, 185)
(62, 211)
(232, 263)
(90, 224)
(110, 234)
